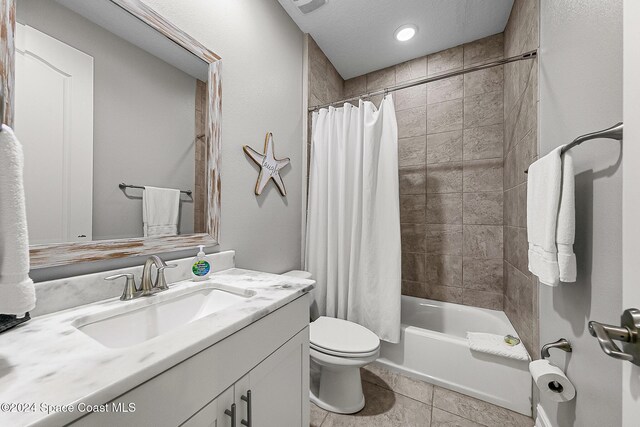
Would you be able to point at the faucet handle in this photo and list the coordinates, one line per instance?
(161, 282)
(130, 288)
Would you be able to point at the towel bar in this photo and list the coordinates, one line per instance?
(614, 132)
(123, 186)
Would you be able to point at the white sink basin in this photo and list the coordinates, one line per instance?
(149, 317)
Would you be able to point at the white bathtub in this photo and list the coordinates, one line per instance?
(434, 348)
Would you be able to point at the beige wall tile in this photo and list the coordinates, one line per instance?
(413, 289)
(510, 173)
(484, 142)
(445, 90)
(446, 60)
(413, 180)
(410, 97)
(491, 300)
(355, 86)
(412, 151)
(444, 239)
(444, 178)
(481, 208)
(484, 50)
(525, 153)
(482, 175)
(443, 270)
(444, 147)
(444, 208)
(511, 89)
(381, 79)
(510, 207)
(412, 122)
(484, 81)
(482, 241)
(521, 205)
(411, 70)
(412, 208)
(413, 237)
(483, 110)
(528, 25)
(483, 274)
(414, 267)
(444, 293)
(444, 116)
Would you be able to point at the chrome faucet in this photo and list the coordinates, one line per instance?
(147, 286)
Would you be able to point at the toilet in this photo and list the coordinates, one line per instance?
(339, 349)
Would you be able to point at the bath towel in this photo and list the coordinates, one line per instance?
(160, 209)
(494, 344)
(17, 294)
(551, 218)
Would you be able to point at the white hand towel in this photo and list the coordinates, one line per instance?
(494, 344)
(551, 218)
(17, 294)
(160, 209)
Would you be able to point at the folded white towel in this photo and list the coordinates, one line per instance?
(551, 218)
(160, 210)
(494, 344)
(17, 294)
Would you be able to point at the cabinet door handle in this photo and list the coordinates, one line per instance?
(232, 414)
(247, 399)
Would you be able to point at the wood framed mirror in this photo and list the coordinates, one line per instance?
(198, 147)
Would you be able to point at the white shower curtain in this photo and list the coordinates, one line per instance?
(353, 221)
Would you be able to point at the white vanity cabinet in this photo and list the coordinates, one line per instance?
(268, 358)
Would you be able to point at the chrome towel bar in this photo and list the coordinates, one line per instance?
(614, 132)
(123, 186)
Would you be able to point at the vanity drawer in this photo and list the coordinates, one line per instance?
(170, 398)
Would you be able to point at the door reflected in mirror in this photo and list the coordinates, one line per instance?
(102, 99)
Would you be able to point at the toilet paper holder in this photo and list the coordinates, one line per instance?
(561, 344)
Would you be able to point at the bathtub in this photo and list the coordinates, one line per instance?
(433, 348)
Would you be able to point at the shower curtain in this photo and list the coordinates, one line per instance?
(353, 220)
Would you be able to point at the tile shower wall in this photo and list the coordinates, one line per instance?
(325, 83)
(450, 161)
(521, 148)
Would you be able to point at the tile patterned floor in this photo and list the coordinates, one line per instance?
(395, 400)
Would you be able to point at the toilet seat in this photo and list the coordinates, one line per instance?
(342, 338)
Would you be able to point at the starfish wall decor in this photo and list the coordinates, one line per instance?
(269, 166)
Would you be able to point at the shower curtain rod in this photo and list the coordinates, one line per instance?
(527, 55)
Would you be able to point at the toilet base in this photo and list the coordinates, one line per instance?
(340, 386)
(338, 410)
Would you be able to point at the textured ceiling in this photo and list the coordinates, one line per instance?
(357, 35)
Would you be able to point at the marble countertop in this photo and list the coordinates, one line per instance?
(47, 362)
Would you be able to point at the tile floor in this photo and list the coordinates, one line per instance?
(395, 400)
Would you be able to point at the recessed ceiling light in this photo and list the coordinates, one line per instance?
(406, 32)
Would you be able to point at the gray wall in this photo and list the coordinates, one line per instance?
(262, 52)
(581, 91)
(136, 96)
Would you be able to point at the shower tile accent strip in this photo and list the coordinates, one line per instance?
(451, 176)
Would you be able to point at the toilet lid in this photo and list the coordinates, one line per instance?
(342, 336)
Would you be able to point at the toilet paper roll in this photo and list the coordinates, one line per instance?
(551, 381)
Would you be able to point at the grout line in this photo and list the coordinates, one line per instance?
(401, 394)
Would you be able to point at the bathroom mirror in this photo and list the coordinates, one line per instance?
(118, 100)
